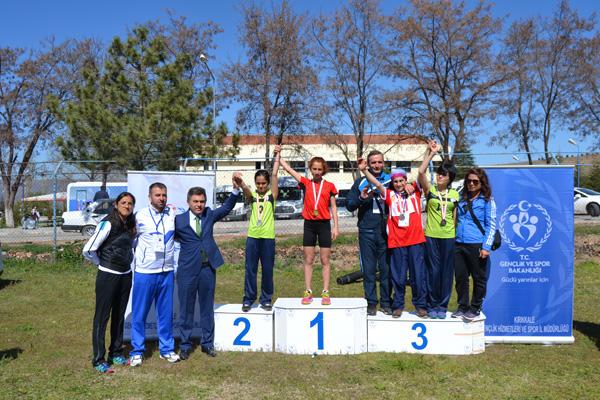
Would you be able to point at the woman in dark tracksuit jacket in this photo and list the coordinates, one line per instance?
(111, 249)
(473, 246)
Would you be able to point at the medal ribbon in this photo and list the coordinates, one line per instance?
(443, 203)
(260, 211)
(315, 195)
(404, 207)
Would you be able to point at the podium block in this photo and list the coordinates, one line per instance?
(339, 328)
(236, 330)
(411, 334)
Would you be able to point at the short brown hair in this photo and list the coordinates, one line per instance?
(320, 160)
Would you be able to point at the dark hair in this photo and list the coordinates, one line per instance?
(156, 185)
(373, 153)
(115, 218)
(196, 191)
(447, 167)
(320, 160)
(264, 173)
(486, 189)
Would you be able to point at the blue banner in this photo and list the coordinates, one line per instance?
(530, 287)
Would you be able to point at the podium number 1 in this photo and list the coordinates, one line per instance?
(318, 321)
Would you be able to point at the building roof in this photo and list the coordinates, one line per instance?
(257, 140)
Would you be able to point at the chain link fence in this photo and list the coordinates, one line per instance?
(51, 189)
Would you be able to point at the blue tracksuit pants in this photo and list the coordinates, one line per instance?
(149, 288)
(409, 260)
(439, 259)
(263, 250)
(374, 257)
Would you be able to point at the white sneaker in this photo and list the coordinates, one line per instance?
(170, 357)
(135, 361)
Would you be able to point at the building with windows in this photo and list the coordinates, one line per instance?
(402, 151)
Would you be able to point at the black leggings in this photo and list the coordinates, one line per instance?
(112, 295)
(468, 263)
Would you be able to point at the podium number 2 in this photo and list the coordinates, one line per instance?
(420, 335)
(238, 341)
(318, 320)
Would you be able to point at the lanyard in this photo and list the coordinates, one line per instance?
(315, 195)
(160, 221)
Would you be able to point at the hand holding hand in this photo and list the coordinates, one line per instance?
(483, 253)
(409, 189)
(237, 180)
(433, 147)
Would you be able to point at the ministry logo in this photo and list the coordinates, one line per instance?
(525, 226)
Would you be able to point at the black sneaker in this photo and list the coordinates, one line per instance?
(458, 313)
(267, 306)
(386, 310)
(246, 307)
(469, 316)
(372, 309)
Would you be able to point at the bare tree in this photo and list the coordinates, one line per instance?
(441, 54)
(585, 109)
(349, 53)
(27, 82)
(275, 82)
(556, 65)
(516, 99)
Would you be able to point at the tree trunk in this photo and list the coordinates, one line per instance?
(9, 203)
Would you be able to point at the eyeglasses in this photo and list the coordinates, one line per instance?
(473, 181)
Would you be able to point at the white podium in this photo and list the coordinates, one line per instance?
(411, 334)
(339, 328)
(236, 330)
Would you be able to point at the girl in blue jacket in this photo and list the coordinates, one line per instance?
(474, 237)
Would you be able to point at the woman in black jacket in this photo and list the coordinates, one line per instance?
(111, 249)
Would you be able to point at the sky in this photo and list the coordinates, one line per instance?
(25, 23)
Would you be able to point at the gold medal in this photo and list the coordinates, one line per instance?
(315, 213)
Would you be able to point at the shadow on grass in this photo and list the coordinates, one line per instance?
(589, 329)
(8, 282)
(10, 353)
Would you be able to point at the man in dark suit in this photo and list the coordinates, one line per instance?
(199, 257)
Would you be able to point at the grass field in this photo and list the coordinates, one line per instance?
(45, 350)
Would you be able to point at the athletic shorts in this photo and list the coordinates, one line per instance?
(317, 230)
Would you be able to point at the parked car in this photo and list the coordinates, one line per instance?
(290, 200)
(85, 221)
(587, 201)
(240, 211)
(340, 201)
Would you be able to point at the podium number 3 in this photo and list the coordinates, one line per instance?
(318, 321)
(238, 341)
(421, 335)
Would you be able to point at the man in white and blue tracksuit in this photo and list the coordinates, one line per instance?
(153, 279)
(372, 238)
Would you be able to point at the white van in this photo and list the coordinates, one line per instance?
(85, 221)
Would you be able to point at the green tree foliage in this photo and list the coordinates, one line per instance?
(463, 160)
(144, 108)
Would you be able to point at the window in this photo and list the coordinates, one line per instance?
(349, 166)
(258, 165)
(334, 166)
(297, 165)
